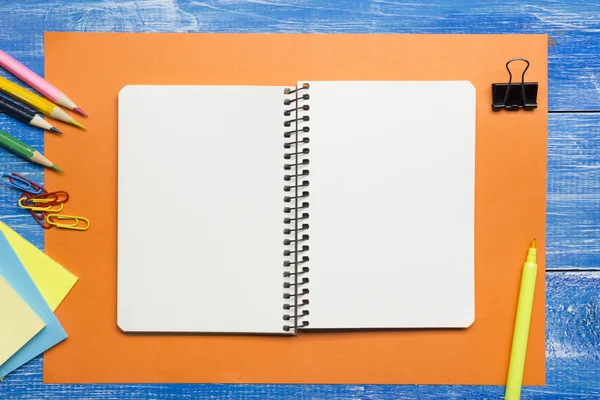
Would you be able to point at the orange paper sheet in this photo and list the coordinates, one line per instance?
(510, 208)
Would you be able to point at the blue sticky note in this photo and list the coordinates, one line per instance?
(16, 275)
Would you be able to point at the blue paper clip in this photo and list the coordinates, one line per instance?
(18, 182)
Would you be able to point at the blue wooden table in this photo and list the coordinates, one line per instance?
(573, 232)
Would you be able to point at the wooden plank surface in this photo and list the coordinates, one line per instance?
(572, 26)
(572, 350)
(573, 297)
(573, 203)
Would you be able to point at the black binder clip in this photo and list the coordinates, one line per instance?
(511, 96)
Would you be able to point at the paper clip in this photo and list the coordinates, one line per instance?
(53, 218)
(40, 218)
(49, 199)
(57, 207)
(23, 184)
(36, 186)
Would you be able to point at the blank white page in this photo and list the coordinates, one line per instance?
(200, 209)
(392, 178)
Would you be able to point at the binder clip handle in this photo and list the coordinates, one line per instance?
(508, 96)
(510, 79)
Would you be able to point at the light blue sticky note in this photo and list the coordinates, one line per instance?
(16, 275)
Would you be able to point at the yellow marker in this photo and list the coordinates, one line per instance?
(521, 333)
(53, 219)
(39, 103)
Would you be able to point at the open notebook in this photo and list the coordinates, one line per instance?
(333, 205)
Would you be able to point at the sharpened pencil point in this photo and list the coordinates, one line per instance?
(54, 167)
(53, 129)
(80, 111)
(533, 244)
(77, 124)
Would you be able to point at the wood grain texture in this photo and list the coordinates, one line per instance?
(573, 242)
(573, 202)
(573, 27)
(572, 348)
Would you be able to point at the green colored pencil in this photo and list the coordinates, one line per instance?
(26, 151)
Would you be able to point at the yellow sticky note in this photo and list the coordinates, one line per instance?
(18, 322)
(51, 278)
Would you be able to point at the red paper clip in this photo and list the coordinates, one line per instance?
(40, 219)
(52, 197)
(37, 187)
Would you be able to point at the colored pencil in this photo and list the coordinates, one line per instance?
(37, 82)
(24, 114)
(26, 151)
(42, 105)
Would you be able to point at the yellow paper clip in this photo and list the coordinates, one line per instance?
(53, 219)
(57, 207)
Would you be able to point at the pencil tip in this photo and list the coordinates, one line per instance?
(77, 124)
(533, 244)
(55, 168)
(53, 129)
(80, 111)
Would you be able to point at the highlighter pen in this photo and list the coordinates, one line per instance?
(522, 321)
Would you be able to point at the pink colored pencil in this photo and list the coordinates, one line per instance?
(37, 82)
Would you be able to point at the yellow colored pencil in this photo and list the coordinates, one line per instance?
(39, 103)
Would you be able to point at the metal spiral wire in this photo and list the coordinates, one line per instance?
(296, 213)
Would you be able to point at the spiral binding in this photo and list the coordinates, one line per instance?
(296, 183)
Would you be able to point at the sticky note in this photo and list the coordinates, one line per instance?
(18, 322)
(13, 271)
(51, 278)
